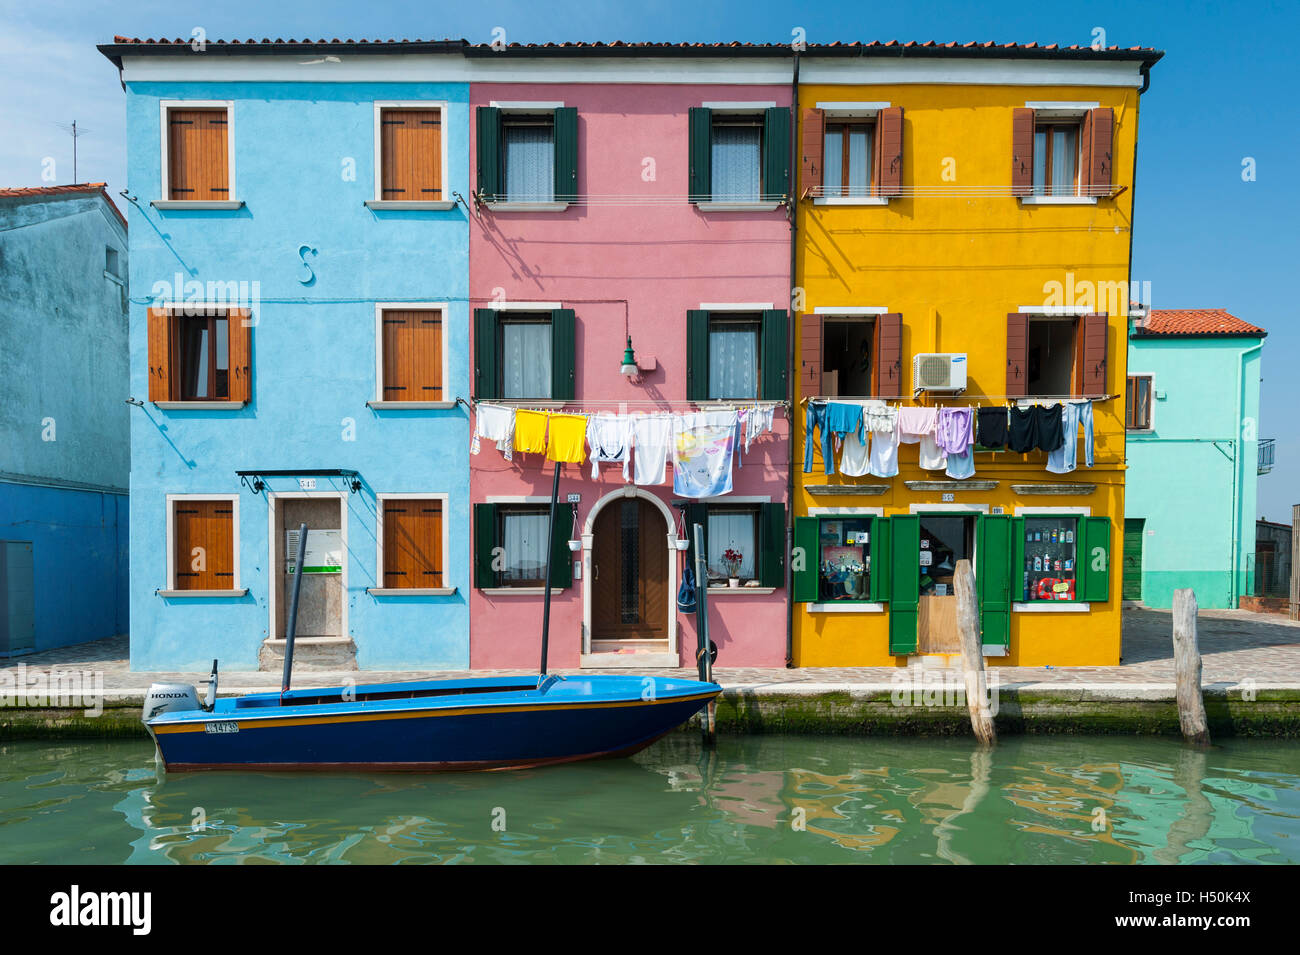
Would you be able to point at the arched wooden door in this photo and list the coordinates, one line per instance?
(629, 572)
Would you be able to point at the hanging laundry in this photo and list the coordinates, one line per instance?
(992, 431)
(530, 431)
(652, 436)
(955, 429)
(961, 466)
(1023, 431)
(913, 423)
(703, 446)
(931, 457)
(494, 423)
(1065, 458)
(882, 420)
(566, 438)
(817, 420)
(1051, 430)
(878, 416)
(843, 418)
(758, 421)
(855, 459)
(610, 439)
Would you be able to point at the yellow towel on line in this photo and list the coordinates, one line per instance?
(568, 438)
(530, 431)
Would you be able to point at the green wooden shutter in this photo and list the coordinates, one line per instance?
(1092, 560)
(489, 152)
(561, 556)
(775, 354)
(807, 535)
(880, 575)
(905, 585)
(566, 154)
(993, 578)
(696, 514)
(697, 355)
(1018, 575)
(776, 153)
(771, 548)
(701, 154)
(485, 541)
(486, 384)
(564, 344)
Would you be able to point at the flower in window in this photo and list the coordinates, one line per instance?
(733, 559)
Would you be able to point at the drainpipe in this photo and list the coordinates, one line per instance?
(1237, 477)
(789, 350)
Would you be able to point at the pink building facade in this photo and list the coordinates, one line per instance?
(602, 211)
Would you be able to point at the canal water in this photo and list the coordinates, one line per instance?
(775, 799)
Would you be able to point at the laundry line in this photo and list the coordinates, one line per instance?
(956, 398)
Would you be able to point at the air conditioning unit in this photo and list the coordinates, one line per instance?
(942, 371)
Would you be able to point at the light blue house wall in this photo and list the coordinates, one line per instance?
(63, 419)
(1192, 476)
(304, 168)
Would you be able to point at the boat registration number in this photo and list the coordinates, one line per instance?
(226, 726)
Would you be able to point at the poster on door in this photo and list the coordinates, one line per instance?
(324, 551)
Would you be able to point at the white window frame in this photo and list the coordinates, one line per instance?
(851, 110)
(170, 589)
(1067, 110)
(865, 606)
(379, 202)
(379, 403)
(164, 200)
(526, 106)
(1151, 422)
(379, 590)
(1054, 606)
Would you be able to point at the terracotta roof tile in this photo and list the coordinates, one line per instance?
(1197, 321)
(18, 192)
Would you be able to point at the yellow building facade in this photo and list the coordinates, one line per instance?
(981, 222)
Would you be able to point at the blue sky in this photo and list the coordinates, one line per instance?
(1204, 237)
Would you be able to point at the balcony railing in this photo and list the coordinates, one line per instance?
(1265, 455)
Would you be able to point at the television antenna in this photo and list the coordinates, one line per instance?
(76, 133)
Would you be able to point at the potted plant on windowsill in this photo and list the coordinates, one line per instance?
(732, 558)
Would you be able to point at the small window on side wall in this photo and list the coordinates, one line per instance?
(1138, 403)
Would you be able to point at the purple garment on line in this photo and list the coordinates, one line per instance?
(955, 430)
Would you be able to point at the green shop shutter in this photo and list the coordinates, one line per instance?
(1019, 579)
(564, 347)
(905, 582)
(1093, 575)
(993, 578)
(880, 575)
(701, 154)
(489, 152)
(697, 355)
(776, 153)
(771, 545)
(561, 556)
(807, 535)
(776, 360)
(485, 541)
(485, 354)
(696, 514)
(566, 154)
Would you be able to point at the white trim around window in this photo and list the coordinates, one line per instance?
(852, 110)
(1151, 403)
(1053, 311)
(525, 306)
(379, 403)
(378, 201)
(739, 106)
(164, 200)
(380, 590)
(170, 590)
(526, 105)
(1053, 606)
(850, 310)
(735, 306)
(864, 606)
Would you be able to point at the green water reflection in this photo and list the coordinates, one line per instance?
(754, 799)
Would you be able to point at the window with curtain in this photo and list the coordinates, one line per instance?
(733, 357)
(526, 358)
(1056, 154)
(734, 529)
(522, 537)
(1139, 403)
(847, 160)
(203, 357)
(529, 159)
(736, 159)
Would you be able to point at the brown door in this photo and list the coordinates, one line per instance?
(629, 572)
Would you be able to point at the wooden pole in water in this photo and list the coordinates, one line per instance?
(1187, 670)
(703, 659)
(972, 654)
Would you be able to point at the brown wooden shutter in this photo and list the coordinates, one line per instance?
(197, 156)
(241, 357)
(1094, 328)
(813, 143)
(160, 355)
(889, 137)
(1085, 154)
(889, 354)
(1022, 152)
(810, 355)
(1101, 134)
(208, 525)
(1017, 355)
(412, 543)
(410, 155)
(412, 359)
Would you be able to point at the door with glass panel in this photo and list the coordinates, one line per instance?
(629, 573)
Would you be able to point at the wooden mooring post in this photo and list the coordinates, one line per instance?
(1187, 670)
(972, 654)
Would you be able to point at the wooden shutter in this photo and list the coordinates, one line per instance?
(1017, 354)
(564, 349)
(771, 545)
(485, 541)
(410, 151)
(1083, 173)
(805, 574)
(1100, 134)
(879, 576)
(905, 582)
(776, 153)
(160, 354)
(889, 137)
(1094, 328)
(486, 379)
(566, 154)
(412, 543)
(889, 354)
(700, 178)
(488, 164)
(240, 329)
(561, 556)
(1022, 152)
(209, 526)
(813, 143)
(776, 363)
(412, 358)
(697, 355)
(993, 573)
(1092, 560)
(197, 155)
(810, 355)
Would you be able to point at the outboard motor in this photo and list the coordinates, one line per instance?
(166, 697)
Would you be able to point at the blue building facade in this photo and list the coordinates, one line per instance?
(301, 265)
(63, 431)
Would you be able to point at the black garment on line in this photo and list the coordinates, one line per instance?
(1024, 429)
(1051, 428)
(991, 426)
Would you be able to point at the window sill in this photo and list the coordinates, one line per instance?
(238, 592)
(524, 402)
(851, 201)
(738, 206)
(1051, 606)
(410, 591)
(847, 606)
(199, 405)
(1058, 200)
(306, 641)
(410, 405)
(114, 278)
(412, 205)
(524, 591)
(163, 205)
(739, 591)
(508, 206)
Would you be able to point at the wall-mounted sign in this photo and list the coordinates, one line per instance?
(574, 498)
(950, 497)
(927, 558)
(324, 551)
(306, 484)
